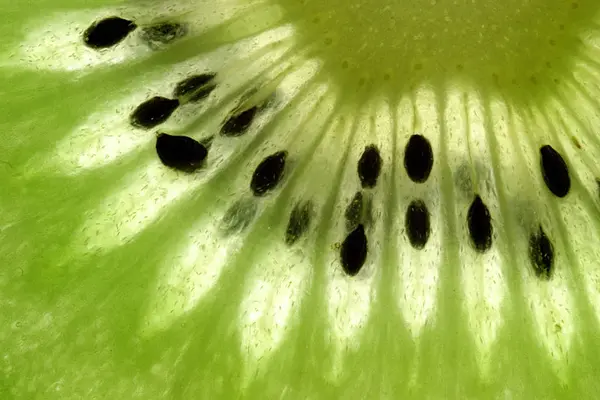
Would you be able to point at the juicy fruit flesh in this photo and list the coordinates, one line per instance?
(508, 47)
(128, 278)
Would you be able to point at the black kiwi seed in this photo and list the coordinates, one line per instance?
(238, 124)
(417, 224)
(555, 171)
(238, 217)
(163, 33)
(369, 166)
(354, 211)
(153, 112)
(541, 254)
(353, 251)
(268, 173)
(180, 152)
(418, 158)
(197, 87)
(480, 225)
(299, 222)
(108, 32)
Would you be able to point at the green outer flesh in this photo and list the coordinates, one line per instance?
(72, 322)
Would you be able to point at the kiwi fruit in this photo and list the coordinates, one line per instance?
(300, 199)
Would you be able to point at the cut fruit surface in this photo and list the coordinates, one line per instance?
(300, 199)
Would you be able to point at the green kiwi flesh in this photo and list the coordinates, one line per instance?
(300, 199)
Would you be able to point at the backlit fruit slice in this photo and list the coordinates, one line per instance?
(289, 199)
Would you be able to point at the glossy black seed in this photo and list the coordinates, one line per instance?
(238, 217)
(417, 224)
(108, 32)
(555, 171)
(541, 254)
(153, 112)
(480, 225)
(268, 173)
(418, 158)
(353, 251)
(369, 166)
(196, 87)
(354, 211)
(180, 152)
(239, 123)
(163, 33)
(298, 223)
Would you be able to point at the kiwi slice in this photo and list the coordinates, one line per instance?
(300, 199)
